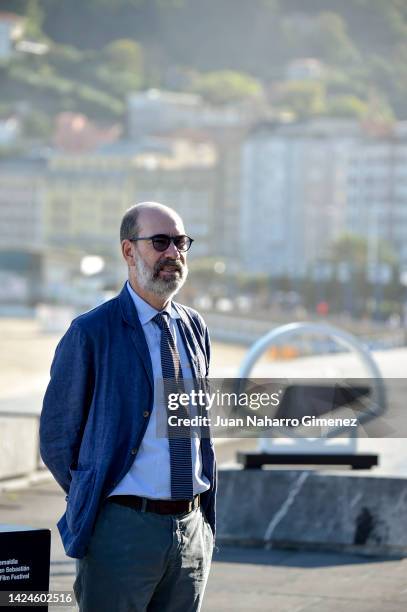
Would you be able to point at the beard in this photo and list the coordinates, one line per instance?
(150, 279)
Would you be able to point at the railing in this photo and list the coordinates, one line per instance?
(246, 330)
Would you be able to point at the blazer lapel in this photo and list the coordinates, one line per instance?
(130, 316)
(193, 362)
(189, 341)
(191, 347)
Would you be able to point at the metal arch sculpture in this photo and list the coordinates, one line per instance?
(341, 337)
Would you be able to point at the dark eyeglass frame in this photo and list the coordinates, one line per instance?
(168, 239)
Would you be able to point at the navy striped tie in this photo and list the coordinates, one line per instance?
(179, 438)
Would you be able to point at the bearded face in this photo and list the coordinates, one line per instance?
(164, 278)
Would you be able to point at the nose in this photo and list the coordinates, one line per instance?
(172, 251)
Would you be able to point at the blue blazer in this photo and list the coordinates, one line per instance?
(97, 407)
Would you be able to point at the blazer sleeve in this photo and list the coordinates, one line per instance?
(66, 404)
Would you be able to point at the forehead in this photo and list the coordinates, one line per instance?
(154, 221)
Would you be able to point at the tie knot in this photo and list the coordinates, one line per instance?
(161, 319)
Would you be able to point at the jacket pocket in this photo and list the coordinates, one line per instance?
(80, 494)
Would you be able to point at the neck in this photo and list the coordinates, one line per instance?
(154, 300)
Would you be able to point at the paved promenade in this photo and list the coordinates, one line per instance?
(241, 579)
(244, 579)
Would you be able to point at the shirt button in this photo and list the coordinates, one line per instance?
(146, 413)
(133, 451)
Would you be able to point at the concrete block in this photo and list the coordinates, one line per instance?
(310, 509)
(18, 445)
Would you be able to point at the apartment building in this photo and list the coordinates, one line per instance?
(293, 200)
(377, 192)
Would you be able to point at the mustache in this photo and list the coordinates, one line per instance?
(176, 263)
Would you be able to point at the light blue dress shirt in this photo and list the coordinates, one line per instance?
(149, 476)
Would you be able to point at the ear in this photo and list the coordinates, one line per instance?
(128, 252)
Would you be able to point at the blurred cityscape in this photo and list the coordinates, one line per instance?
(278, 131)
(291, 180)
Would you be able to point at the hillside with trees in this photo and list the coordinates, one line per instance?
(226, 50)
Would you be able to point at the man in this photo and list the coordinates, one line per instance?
(140, 513)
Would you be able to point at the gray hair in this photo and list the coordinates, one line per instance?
(129, 227)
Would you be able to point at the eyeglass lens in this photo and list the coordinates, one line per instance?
(162, 242)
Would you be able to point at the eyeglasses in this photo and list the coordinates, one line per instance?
(161, 242)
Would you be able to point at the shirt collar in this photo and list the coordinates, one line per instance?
(145, 311)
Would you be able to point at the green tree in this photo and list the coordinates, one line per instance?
(331, 40)
(125, 55)
(323, 36)
(121, 70)
(35, 17)
(303, 98)
(346, 106)
(354, 249)
(225, 86)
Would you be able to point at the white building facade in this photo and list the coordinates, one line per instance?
(293, 202)
(377, 194)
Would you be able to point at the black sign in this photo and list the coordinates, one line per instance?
(24, 561)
